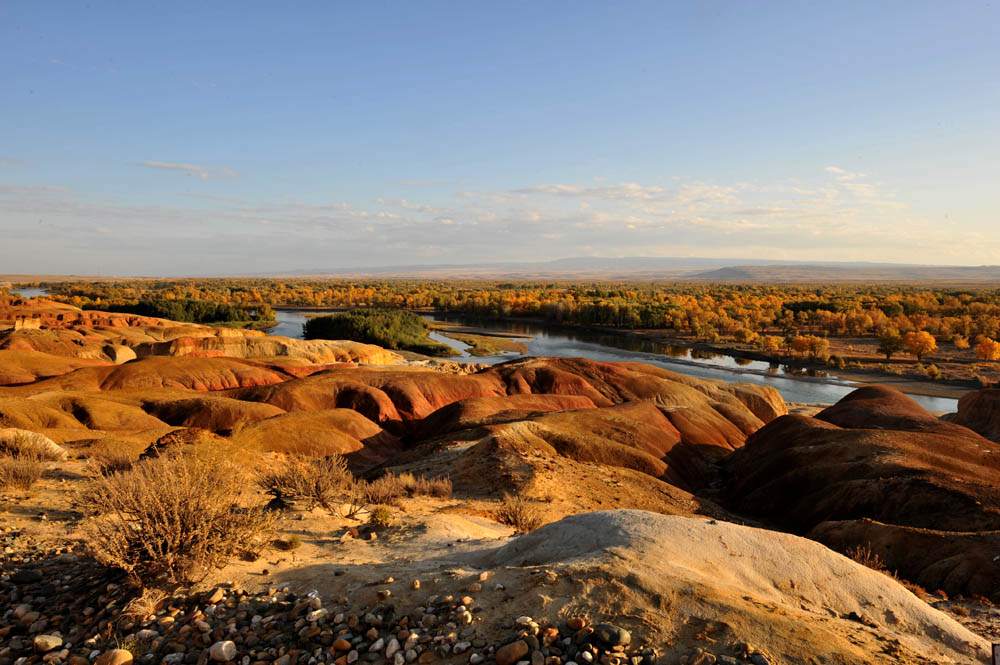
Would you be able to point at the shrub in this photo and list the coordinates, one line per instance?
(414, 486)
(21, 472)
(385, 490)
(22, 459)
(519, 513)
(174, 515)
(390, 328)
(109, 461)
(317, 480)
(288, 544)
(933, 372)
(381, 516)
(867, 557)
(23, 443)
(140, 608)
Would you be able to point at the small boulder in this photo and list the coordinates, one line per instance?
(509, 654)
(222, 651)
(114, 657)
(46, 643)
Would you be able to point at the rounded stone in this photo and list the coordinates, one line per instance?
(114, 657)
(222, 651)
(611, 635)
(46, 643)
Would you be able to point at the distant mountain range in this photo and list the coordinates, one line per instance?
(682, 269)
(639, 268)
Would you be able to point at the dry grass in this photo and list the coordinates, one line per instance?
(21, 443)
(518, 512)
(22, 460)
(867, 557)
(20, 473)
(381, 516)
(436, 487)
(388, 488)
(175, 515)
(323, 481)
(144, 605)
(112, 460)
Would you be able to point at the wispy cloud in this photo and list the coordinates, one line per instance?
(11, 161)
(628, 190)
(193, 170)
(427, 183)
(832, 213)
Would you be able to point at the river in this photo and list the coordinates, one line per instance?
(795, 385)
(28, 293)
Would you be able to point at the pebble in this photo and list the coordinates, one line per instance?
(222, 651)
(46, 643)
(512, 653)
(612, 635)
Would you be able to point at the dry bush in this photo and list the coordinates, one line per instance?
(519, 513)
(143, 606)
(175, 515)
(20, 473)
(381, 516)
(384, 490)
(323, 481)
(389, 488)
(112, 460)
(22, 443)
(414, 486)
(22, 459)
(866, 556)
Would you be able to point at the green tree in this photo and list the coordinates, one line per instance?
(889, 343)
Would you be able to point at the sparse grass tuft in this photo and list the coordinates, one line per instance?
(385, 490)
(287, 544)
(322, 481)
(174, 515)
(867, 557)
(20, 473)
(109, 461)
(518, 512)
(389, 488)
(22, 443)
(22, 460)
(144, 605)
(381, 516)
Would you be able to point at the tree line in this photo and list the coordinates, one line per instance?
(768, 316)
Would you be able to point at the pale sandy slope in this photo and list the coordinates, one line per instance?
(784, 594)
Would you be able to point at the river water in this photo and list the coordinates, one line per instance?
(28, 293)
(795, 385)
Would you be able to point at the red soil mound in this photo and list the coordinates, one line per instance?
(980, 412)
(191, 373)
(18, 366)
(209, 412)
(478, 411)
(880, 407)
(799, 472)
(340, 431)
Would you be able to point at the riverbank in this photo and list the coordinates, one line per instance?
(796, 379)
(953, 389)
(943, 388)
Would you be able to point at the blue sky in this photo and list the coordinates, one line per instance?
(210, 138)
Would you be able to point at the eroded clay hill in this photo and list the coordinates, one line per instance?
(876, 470)
(77, 375)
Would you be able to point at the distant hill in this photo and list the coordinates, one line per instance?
(635, 268)
(850, 273)
(680, 269)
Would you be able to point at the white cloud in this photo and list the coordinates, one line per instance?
(822, 217)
